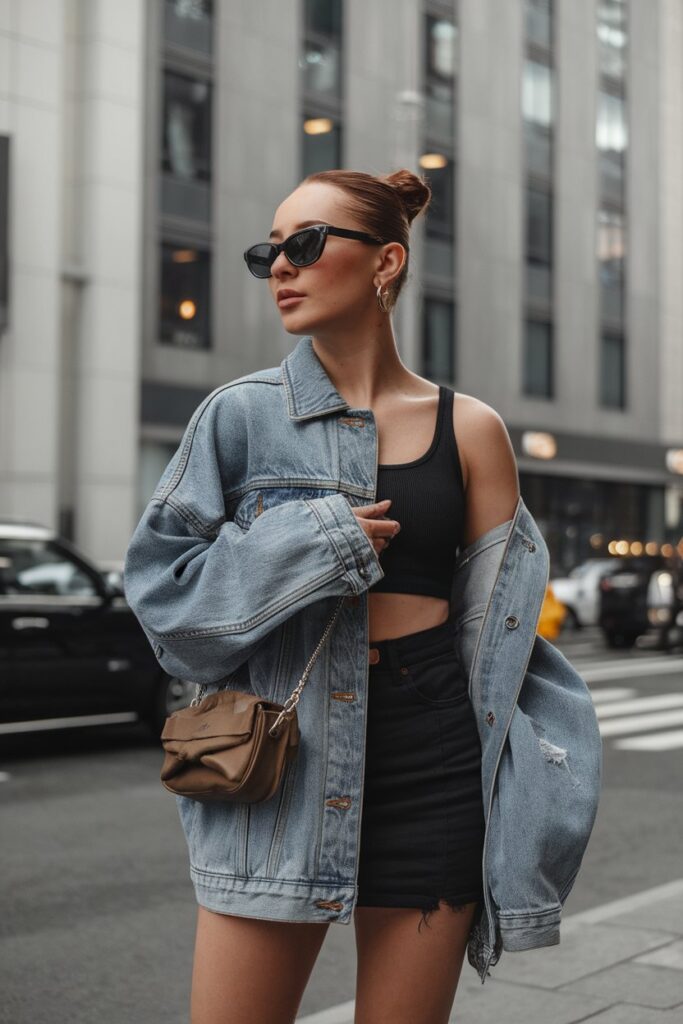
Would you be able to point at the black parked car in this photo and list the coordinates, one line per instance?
(624, 608)
(70, 645)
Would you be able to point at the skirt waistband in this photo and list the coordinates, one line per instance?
(413, 647)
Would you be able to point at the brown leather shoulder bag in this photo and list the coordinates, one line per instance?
(232, 745)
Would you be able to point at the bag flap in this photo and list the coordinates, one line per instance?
(225, 713)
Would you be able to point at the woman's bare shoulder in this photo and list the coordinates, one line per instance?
(488, 462)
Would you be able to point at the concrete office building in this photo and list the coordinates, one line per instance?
(149, 144)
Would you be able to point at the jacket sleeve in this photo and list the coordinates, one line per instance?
(207, 592)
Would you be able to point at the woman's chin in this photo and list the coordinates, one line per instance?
(294, 323)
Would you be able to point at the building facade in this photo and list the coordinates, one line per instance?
(150, 143)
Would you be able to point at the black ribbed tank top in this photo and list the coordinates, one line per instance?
(428, 500)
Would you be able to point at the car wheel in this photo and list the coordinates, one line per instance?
(172, 694)
(572, 620)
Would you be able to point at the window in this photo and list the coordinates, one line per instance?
(320, 62)
(440, 58)
(612, 37)
(539, 22)
(321, 144)
(611, 262)
(612, 371)
(154, 458)
(538, 369)
(186, 148)
(539, 218)
(441, 210)
(189, 23)
(37, 568)
(438, 344)
(184, 314)
(537, 93)
(611, 137)
(537, 111)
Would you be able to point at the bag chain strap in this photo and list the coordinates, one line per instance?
(294, 696)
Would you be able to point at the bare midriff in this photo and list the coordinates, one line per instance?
(392, 615)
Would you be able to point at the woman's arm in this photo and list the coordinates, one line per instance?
(207, 592)
(489, 466)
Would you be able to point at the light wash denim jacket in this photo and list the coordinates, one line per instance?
(234, 571)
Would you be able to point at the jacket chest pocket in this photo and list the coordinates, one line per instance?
(259, 499)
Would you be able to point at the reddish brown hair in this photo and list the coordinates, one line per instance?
(385, 205)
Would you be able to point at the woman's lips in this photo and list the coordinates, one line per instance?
(290, 300)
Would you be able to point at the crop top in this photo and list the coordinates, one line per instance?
(428, 500)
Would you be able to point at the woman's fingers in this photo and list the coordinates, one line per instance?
(379, 530)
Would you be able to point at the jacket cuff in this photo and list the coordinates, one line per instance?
(353, 546)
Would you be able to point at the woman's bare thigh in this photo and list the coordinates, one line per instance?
(247, 971)
(405, 975)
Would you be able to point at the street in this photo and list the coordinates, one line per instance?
(98, 909)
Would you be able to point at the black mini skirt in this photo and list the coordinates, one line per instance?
(422, 829)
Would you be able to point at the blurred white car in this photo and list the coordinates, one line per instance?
(580, 593)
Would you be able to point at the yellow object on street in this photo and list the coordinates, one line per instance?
(552, 615)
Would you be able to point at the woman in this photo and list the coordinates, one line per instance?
(422, 821)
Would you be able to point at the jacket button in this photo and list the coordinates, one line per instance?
(490, 718)
(512, 622)
(363, 571)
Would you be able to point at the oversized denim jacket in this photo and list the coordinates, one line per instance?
(234, 570)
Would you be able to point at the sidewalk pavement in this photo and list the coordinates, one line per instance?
(619, 963)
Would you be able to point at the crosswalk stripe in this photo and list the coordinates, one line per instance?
(608, 693)
(657, 741)
(640, 723)
(621, 669)
(656, 702)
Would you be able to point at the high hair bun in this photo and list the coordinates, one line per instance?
(414, 192)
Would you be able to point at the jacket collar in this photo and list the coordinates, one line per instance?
(308, 388)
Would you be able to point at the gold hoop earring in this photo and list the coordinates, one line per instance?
(381, 299)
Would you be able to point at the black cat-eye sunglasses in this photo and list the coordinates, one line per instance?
(301, 249)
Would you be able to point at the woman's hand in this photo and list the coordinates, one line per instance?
(379, 529)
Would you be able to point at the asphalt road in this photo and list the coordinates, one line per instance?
(98, 911)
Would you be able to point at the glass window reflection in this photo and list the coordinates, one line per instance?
(538, 17)
(611, 253)
(189, 23)
(612, 371)
(612, 37)
(38, 569)
(438, 342)
(537, 93)
(186, 147)
(441, 210)
(440, 64)
(538, 359)
(320, 61)
(185, 290)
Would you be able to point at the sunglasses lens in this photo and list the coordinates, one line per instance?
(260, 258)
(305, 247)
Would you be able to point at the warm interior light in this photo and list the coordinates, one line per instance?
(539, 444)
(433, 160)
(318, 125)
(184, 256)
(187, 309)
